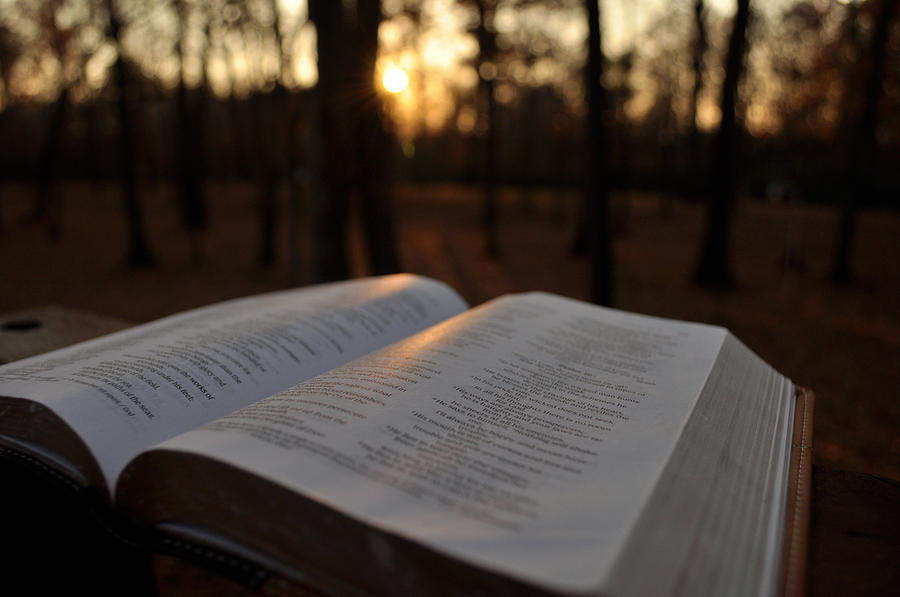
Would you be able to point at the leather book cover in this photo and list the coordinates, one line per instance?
(796, 529)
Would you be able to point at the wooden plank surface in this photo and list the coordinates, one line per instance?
(854, 542)
(42, 329)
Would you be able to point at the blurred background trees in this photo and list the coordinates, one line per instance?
(702, 99)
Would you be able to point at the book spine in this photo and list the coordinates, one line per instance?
(800, 489)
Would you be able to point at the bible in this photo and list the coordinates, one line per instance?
(377, 436)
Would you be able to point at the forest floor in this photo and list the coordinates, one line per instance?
(841, 341)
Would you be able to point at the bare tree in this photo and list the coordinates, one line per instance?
(226, 22)
(487, 69)
(60, 41)
(47, 204)
(598, 230)
(138, 252)
(352, 144)
(267, 114)
(329, 202)
(372, 142)
(267, 173)
(9, 52)
(863, 145)
(714, 269)
(10, 49)
(698, 50)
(189, 146)
(287, 105)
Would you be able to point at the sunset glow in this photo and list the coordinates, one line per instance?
(428, 63)
(395, 80)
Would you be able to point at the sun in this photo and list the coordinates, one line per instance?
(395, 80)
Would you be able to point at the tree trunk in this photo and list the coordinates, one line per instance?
(289, 165)
(597, 227)
(297, 183)
(138, 251)
(239, 138)
(862, 149)
(373, 147)
(189, 148)
(93, 142)
(47, 203)
(487, 50)
(714, 269)
(267, 173)
(698, 51)
(330, 200)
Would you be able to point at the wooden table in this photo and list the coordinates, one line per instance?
(854, 543)
(42, 329)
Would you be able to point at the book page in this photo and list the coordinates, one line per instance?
(716, 507)
(524, 436)
(125, 392)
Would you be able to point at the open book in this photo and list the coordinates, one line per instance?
(375, 436)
